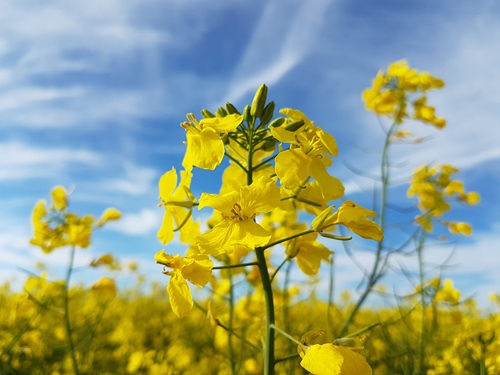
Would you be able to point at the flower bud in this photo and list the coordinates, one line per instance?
(294, 126)
(277, 122)
(259, 101)
(207, 114)
(231, 109)
(221, 112)
(267, 113)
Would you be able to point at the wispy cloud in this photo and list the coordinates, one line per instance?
(144, 222)
(282, 38)
(22, 161)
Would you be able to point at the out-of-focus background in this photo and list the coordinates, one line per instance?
(92, 94)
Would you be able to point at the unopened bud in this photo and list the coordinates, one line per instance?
(231, 109)
(246, 114)
(269, 144)
(277, 122)
(294, 126)
(221, 112)
(259, 101)
(207, 114)
(267, 113)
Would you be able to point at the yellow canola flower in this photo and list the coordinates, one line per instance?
(59, 197)
(352, 216)
(448, 293)
(178, 202)
(105, 286)
(391, 90)
(308, 253)
(459, 228)
(307, 156)
(197, 269)
(109, 214)
(205, 148)
(238, 209)
(329, 359)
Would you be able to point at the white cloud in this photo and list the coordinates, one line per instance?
(144, 222)
(20, 161)
(135, 181)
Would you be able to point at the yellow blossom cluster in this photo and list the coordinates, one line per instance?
(398, 86)
(435, 190)
(54, 226)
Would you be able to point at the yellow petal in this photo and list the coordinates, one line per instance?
(205, 149)
(179, 295)
(59, 197)
(291, 167)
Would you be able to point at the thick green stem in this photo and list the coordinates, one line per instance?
(268, 294)
(67, 321)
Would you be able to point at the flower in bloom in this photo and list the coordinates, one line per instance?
(55, 227)
(352, 216)
(109, 214)
(238, 209)
(105, 286)
(391, 90)
(205, 148)
(178, 203)
(307, 156)
(448, 293)
(196, 268)
(435, 189)
(59, 197)
(330, 359)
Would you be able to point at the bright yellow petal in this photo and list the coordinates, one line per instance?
(205, 149)
(179, 295)
(322, 360)
(225, 124)
(263, 195)
(166, 232)
(167, 184)
(310, 256)
(331, 187)
(199, 270)
(59, 197)
(291, 167)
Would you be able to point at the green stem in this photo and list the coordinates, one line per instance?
(375, 274)
(232, 265)
(268, 295)
(287, 239)
(67, 321)
(278, 268)
(423, 338)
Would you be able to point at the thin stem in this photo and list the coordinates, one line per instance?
(233, 265)
(287, 239)
(278, 268)
(66, 312)
(375, 274)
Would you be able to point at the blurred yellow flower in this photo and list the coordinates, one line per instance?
(329, 359)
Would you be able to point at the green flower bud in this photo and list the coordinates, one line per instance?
(207, 114)
(277, 122)
(269, 144)
(221, 112)
(231, 109)
(259, 101)
(294, 126)
(267, 113)
(246, 114)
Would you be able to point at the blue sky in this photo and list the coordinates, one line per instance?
(92, 94)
